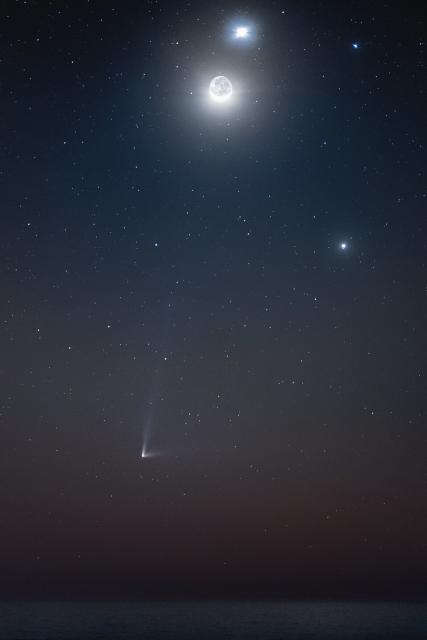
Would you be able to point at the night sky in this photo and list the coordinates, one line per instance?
(213, 315)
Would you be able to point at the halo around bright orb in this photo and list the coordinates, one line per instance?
(220, 89)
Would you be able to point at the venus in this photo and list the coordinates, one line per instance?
(241, 32)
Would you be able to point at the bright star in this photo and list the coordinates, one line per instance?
(241, 32)
(343, 246)
(355, 45)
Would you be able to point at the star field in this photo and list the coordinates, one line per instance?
(236, 291)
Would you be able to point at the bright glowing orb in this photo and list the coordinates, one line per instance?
(343, 246)
(241, 32)
(220, 89)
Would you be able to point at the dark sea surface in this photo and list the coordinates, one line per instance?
(263, 621)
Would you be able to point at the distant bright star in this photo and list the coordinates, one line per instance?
(343, 246)
(355, 45)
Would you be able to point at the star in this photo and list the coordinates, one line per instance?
(355, 45)
(343, 246)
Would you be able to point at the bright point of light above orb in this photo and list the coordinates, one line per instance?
(220, 89)
(241, 32)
